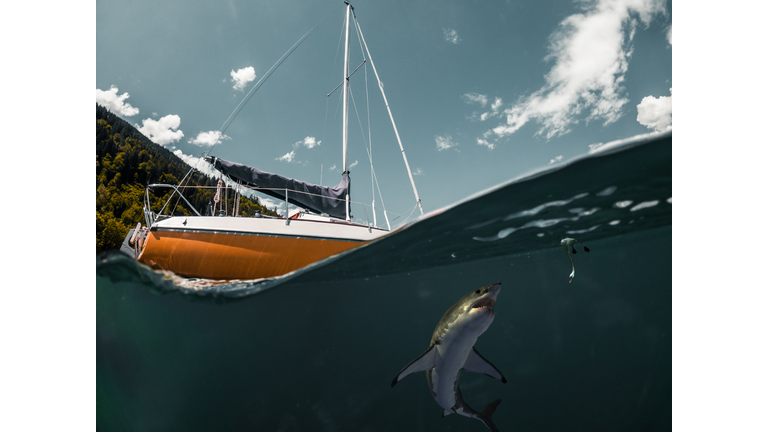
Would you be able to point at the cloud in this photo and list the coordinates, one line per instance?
(591, 52)
(309, 142)
(353, 164)
(242, 77)
(288, 157)
(444, 143)
(205, 139)
(494, 112)
(475, 98)
(496, 104)
(482, 100)
(163, 131)
(278, 206)
(111, 101)
(332, 168)
(669, 34)
(201, 165)
(556, 159)
(656, 113)
(451, 36)
(418, 172)
(484, 142)
(206, 168)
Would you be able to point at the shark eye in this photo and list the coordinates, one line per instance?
(477, 292)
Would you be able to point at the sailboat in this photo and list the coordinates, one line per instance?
(227, 247)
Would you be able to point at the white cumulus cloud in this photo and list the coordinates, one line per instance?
(288, 157)
(163, 131)
(591, 52)
(117, 104)
(494, 112)
(444, 143)
(205, 139)
(242, 77)
(206, 168)
(496, 104)
(475, 98)
(484, 142)
(198, 163)
(557, 159)
(451, 36)
(308, 142)
(669, 34)
(656, 113)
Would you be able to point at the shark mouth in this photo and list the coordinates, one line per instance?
(485, 303)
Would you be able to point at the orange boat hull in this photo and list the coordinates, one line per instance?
(235, 256)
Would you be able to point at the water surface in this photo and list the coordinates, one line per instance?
(318, 349)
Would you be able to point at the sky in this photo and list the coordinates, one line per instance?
(481, 92)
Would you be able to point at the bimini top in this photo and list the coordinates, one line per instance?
(319, 199)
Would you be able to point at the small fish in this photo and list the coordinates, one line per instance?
(452, 350)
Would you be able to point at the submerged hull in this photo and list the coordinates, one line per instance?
(247, 248)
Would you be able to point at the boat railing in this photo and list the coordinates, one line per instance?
(151, 217)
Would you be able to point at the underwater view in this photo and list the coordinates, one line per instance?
(582, 333)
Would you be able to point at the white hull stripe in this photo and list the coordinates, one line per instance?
(210, 231)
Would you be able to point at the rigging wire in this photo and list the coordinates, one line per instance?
(370, 158)
(369, 148)
(265, 76)
(374, 179)
(248, 96)
(391, 117)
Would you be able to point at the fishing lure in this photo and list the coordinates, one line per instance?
(567, 244)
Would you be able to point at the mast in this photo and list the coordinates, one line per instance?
(345, 126)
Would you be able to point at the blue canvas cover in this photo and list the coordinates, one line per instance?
(316, 198)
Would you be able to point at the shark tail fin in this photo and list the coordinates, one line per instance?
(488, 411)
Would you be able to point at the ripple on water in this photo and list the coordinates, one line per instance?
(644, 204)
(534, 211)
(607, 191)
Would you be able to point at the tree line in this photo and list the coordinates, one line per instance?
(126, 162)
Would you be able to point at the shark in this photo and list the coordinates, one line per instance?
(452, 350)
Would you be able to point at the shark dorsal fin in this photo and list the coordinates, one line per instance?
(424, 362)
(477, 364)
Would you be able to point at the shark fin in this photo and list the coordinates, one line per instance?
(447, 412)
(424, 362)
(491, 408)
(488, 411)
(476, 363)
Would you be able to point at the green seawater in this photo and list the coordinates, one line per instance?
(318, 350)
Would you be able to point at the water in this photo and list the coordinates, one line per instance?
(318, 349)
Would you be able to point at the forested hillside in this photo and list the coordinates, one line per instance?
(126, 162)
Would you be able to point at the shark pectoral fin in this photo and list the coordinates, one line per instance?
(424, 362)
(476, 363)
(447, 412)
